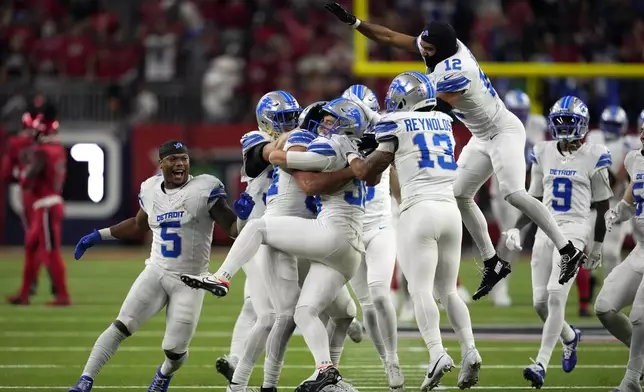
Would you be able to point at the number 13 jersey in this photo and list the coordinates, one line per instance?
(570, 182)
(424, 157)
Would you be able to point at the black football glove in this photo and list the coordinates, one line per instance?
(367, 144)
(340, 13)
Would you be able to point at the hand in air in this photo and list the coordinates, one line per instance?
(513, 240)
(594, 260)
(243, 206)
(343, 15)
(85, 243)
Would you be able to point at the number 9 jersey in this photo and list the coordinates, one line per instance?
(180, 222)
(634, 164)
(569, 183)
(424, 157)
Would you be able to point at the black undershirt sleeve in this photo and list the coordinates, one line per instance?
(254, 161)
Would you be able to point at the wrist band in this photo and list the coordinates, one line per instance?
(106, 234)
(356, 23)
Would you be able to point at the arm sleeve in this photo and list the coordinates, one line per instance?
(254, 163)
(217, 191)
(309, 160)
(600, 185)
(536, 177)
(451, 82)
(388, 146)
(300, 139)
(385, 131)
(604, 161)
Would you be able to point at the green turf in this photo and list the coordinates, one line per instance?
(46, 348)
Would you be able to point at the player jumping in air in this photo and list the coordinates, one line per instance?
(181, 211)
(496, 146)
(571, 177)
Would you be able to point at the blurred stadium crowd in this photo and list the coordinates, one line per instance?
(210, 60)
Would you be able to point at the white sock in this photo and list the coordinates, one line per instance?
(104, 348)
(538, 212)
(476, 225)
(255, 344)
(244, 248)
(276, 348)
(553, 326)
(428, 319)
(243, 325)
(170, 366)
(315, 335)
(459, 318)
(387, 323)
(370, 319)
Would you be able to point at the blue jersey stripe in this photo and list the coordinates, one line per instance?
(603, 163)
(216, 193)
(533, 158)
(452, 85)
(249, 141)
(386, 126)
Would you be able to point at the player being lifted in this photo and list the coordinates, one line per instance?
(496, 146)
(181, 211)
(624, 285)
(333, 241)
(276, 113)
(419, 141)
(571, 177)
(504, 213)
(372, 282)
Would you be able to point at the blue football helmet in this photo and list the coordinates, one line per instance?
(410, 91)
(568, 119)
(349, 119)
(365, 94)
(613, 122)
(277, 112)
(518, 103)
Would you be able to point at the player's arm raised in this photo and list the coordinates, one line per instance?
(377, 33)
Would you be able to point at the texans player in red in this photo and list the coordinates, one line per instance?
(44, 176)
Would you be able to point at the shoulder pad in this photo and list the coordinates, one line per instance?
(322, 146)
(153, 181)
(211, 186)
(251, 139)
(299, 137)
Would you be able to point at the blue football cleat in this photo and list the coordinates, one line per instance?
(160, 383)
(569, 357)
(84, 384)
(536, 374)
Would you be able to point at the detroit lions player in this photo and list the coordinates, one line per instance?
(497, 143)
(333, 241)
(571, 177)
(613, 126)
(624, 286)
(276, 113)
(504, 213)
(420, 143)
(181, 211)
(372, 282)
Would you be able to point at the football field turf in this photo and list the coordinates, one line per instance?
(45, 349)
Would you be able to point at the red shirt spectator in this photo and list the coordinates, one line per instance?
(77, 54)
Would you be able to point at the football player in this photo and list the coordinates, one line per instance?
(373, 279)
(504, 213)
(497, 143)
(571, 177)
(419, 141)
(181, 211)
(276, 113)
(623, 286)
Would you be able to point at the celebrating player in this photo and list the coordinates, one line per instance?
(42, 179)
(181, 211)
(504, 213)
(624, 285)
(333, 241)
(571, 177)
(497, 143)
(429, 230)
(276, 113)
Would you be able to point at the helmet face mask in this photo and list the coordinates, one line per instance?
(344, 117)
(568, 119)
(311, 117)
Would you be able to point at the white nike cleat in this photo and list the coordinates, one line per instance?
(629, 386)
(468, 376)
(355, 331)
(209, 282)
(436, 370)
(395, 377)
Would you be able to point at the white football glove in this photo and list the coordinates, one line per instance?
(348, 148)
(594, 260)
(610, 217)
(513, 240)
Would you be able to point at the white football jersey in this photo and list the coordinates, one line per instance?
(284, 197)
(618, 147)
(634, 164)
(377, 211)
(180, 223)
(480, 108)
(344, 208)
(567, 182)
(424, 159)
(256, 187)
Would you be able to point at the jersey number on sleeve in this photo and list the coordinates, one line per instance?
(446, 161)
(638, 195)
(174, 250)
(352, 198)
(562, 193)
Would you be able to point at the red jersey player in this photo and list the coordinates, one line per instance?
(44, 176)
